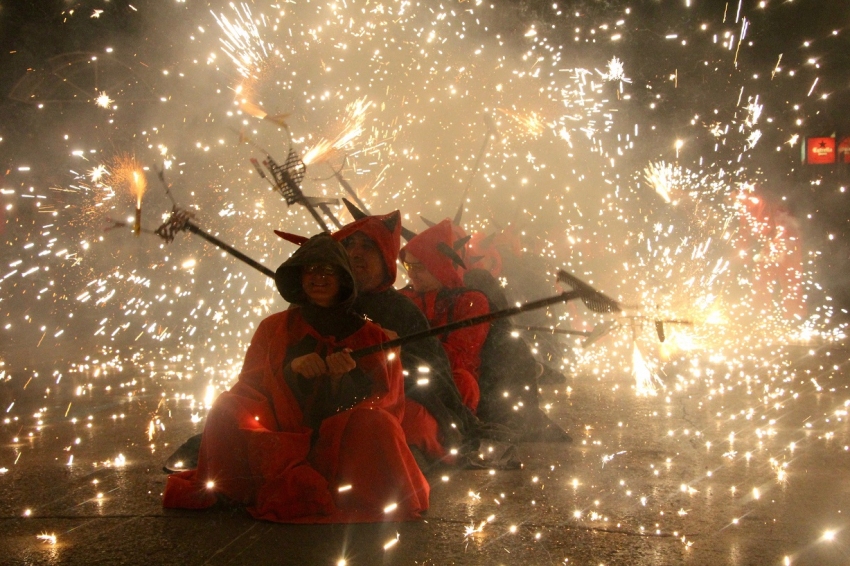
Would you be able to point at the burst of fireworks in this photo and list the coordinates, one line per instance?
(96, 174)
(530, 123)
(615, 72)
(567, 164)
(103, 100)
(351, 129)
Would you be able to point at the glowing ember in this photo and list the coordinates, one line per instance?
(47, 538)
(103, 100)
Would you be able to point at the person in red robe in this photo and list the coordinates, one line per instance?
(436, 422)
(438, 291)
(308, 434)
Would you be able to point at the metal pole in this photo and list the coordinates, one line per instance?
(230, 249)
(538, 304)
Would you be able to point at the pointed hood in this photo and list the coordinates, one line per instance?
(458, 234)
(508, 240)
(485, 253)
(459, 243)
(321, 248)
(385, 231)
(430, 248)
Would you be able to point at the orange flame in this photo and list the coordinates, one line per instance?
(126, 171)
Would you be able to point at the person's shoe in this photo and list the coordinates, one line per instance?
(185, 457)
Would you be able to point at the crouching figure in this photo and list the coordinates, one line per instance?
(308, 434)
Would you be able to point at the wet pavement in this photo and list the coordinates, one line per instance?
(731, 464)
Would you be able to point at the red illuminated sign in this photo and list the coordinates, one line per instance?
(820, 150)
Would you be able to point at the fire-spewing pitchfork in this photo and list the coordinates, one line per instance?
(286, 180)
(592, 299)
(181, 220)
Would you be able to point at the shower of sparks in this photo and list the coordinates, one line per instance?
(660, 177)
(127, 173)
(242, 41)
(645, 378)
(578, 162)
(352, 128)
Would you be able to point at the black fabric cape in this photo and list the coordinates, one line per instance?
(440, 397)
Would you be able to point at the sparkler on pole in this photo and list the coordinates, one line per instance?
(128, 172)
(566, 331)
(137, 187)
(137, 222)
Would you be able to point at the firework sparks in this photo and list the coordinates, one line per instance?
(47, 538)
(660, 176)
(645, 378)
(103, 100)
(569, 162)
(352, 128)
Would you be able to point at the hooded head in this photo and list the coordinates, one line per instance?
(321, 250)
(385, 233)
(507, 241)
(485, 253)
(433, 248)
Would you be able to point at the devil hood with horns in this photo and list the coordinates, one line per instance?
(434, 248)
(385, 231)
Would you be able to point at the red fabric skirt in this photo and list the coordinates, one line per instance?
(359, 470)
(421, 430)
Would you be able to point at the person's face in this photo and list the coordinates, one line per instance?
(321, 284)
(367, 263)
(422, 279)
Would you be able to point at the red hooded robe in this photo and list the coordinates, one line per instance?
(259, 449)
(451, 303)
(420, 427)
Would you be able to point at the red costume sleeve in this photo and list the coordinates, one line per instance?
(463, 346)
(257, 451)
